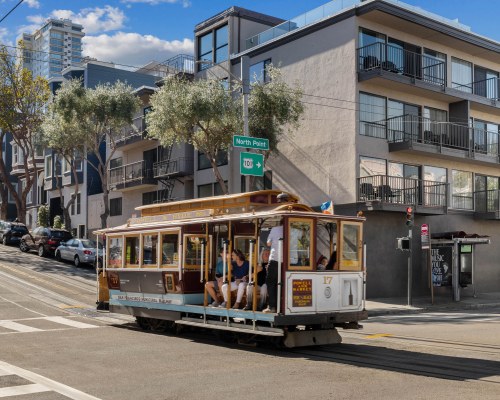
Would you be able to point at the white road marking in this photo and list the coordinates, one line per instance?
(18, 327)
(70, 322)
(23, 389)
(42, 384)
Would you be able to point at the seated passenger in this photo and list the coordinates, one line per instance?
(261, 282)
(322, 263)
(215, 286)
(332, 263)
(240, 274)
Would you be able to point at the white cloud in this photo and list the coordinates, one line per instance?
(33, 3)
(96, 19)
(185, 3)
(4, 37)
(134, 49)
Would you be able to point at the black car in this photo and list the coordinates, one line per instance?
(11, 232)
(44, 240)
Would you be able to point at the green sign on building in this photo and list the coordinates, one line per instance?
(250, 142)
(251, 164)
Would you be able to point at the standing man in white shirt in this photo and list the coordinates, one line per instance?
(272, 268)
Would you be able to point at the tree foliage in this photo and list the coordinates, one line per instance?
(57, 222)
(43, 216)
(83, 118)
(22, 102)
(207, 115)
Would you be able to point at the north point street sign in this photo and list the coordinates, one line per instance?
(250, 142)
(251, 164)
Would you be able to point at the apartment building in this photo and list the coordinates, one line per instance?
(53, 47)
(402, 110)
(7, 157)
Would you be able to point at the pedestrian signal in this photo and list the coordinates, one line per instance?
(409, 216)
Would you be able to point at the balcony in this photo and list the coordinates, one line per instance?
(132, 135)
(411, 132)
(488, 88)
(176, 168)
(131, 177)
(487, 204)
(392, 62)
(394, 193)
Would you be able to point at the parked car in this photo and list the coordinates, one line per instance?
(44, 240)
(11, 232)
(78, 251)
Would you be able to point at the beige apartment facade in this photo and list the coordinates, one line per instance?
(402, 110)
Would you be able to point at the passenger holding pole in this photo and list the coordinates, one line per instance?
(240, 275)
(261, 282)
(272, 268)
(220, 270)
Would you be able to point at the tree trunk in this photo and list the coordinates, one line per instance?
(5, 202)
(217, 173)
(105, 197)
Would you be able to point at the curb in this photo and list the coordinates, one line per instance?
(418, 310)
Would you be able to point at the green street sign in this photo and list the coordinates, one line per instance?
(250, 142)
(251, 164)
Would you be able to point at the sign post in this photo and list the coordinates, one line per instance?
(425, 237)
(251, 164)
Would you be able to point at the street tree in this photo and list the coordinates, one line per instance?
(22, 102)
(207, 115)
(90, 117)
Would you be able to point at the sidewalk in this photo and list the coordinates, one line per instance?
(399, 305)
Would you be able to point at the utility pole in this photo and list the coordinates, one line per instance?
(245, 91)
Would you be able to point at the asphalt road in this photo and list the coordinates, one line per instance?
(54, 345)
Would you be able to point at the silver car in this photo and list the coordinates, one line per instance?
(78, 251)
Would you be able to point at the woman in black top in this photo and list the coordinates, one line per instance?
(261, 282)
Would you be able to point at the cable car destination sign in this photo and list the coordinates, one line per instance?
(250, 142)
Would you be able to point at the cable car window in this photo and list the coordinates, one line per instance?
(170, 249)
(192, 253)
(300, 245)
(326, 245)
(350, 246)
(132, 251)
(149, 250)
(115, 252)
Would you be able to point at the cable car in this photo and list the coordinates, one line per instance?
(159, 265)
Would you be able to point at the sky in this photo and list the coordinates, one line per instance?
(133, 32)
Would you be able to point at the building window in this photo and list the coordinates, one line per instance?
(15, 154)
(258, 72)
(213, 47)
(48, 167)
(221, 44)
(486, 193)
(486, 137)
(78, 162)
(211, 189)
(372, 116)
(81, 231)
(369, 166)
(402, 121)
(66, 165)
(204, 163)
(115, 163)
(76, 205)
(461, 75)
(115, 207)
(461, 190)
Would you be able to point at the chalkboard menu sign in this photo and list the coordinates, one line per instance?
(441, 258)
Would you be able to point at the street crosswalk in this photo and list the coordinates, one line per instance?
(29, 383)
(41, 324)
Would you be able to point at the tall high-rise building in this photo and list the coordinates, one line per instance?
(53, 47)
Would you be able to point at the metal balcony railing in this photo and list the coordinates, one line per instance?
(412, 128)
(387, 57)
(488, 88)
(129, 173)
(399, 190)
(487, 201)
(177, 167)
(137, 131)
(179, 64)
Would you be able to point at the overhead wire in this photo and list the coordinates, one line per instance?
(10, 11)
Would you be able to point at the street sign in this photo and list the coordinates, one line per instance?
(251, 164)
(424, 236)
(250, 142)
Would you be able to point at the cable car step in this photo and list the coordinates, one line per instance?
(257, 330)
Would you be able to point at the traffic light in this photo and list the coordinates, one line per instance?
(409, 216)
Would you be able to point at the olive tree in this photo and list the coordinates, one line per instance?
(207, 115)
(90, 117)
(22, 102)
